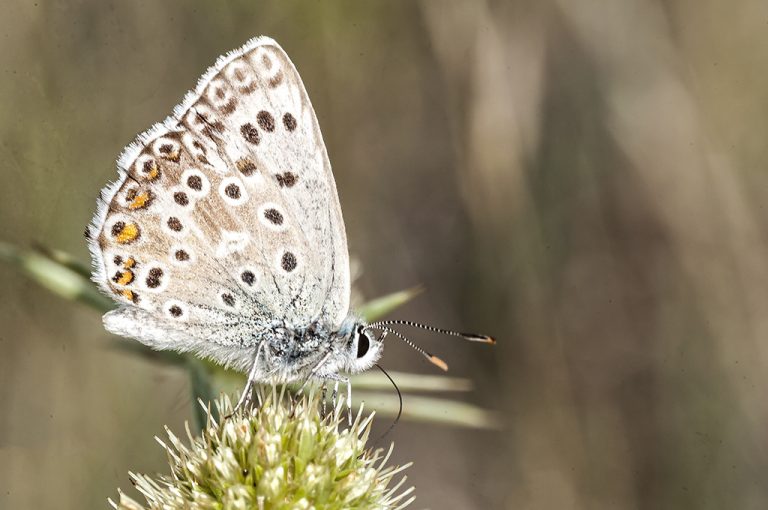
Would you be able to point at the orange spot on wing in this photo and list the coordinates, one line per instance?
(125, 278)
(154, 171)
(129, 263)
(130, 295)
(170, 152)
(129, 233)
(141, 200)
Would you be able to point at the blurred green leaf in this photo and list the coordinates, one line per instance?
(134, 348)
(55, 276)
(410, 382)
(65, 259)
(379, 307)
(429, 409)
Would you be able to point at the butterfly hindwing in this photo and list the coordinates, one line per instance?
(225, 217)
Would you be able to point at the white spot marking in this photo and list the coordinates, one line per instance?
(169, 305)
(172, 255)
(174, 220)
(232, 242)
(205, 186)
(228, 300)
(233, 192)
(239, 74)
(166, 148)
(247, 274)
(218, 93)
(146, 273)
(287, 253)
(276, 223)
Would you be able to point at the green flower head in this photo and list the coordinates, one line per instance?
(281, 455)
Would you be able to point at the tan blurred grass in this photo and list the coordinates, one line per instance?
(634, 254)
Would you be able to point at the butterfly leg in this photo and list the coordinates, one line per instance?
(344, 380)
(349, 400)
(314, 371)
(335, 395)
(324, 389)
(247, 395)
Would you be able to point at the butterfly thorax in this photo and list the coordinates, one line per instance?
(320, 350)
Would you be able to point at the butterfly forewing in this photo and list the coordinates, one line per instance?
(225, 217)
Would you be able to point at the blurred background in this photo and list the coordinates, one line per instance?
(583, 180)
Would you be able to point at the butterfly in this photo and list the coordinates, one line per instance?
(223, 235)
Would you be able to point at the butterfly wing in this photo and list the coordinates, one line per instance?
(225, 218)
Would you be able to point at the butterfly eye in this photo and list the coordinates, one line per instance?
(363, 344)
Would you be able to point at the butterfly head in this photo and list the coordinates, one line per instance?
(363, 349)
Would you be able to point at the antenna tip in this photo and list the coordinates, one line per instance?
(474, 337)
(437, 361)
